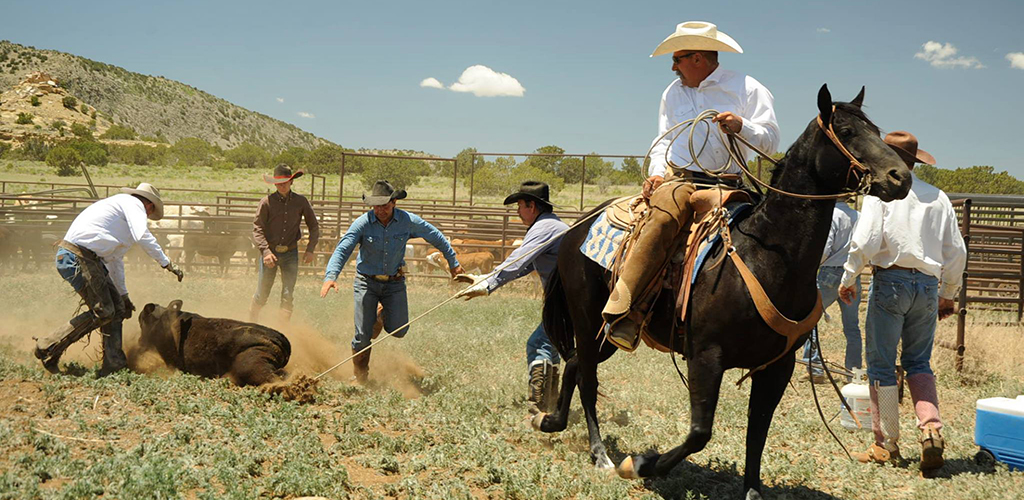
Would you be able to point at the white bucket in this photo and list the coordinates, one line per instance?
(858, 396)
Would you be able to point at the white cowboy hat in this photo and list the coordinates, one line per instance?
(697, 35)
(151, 193)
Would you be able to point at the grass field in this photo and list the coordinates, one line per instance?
(443, 417)
(428, 188)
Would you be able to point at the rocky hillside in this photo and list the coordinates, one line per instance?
(151, 105)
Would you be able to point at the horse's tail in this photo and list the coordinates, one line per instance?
(556, 319)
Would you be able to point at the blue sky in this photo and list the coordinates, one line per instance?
(355, 67)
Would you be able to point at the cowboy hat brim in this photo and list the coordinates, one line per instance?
(514, 197)
(383, 199)
(269, 179)
(678, 41)
(158, 204)
(922, 155)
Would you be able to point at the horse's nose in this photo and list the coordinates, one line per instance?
(896, 176)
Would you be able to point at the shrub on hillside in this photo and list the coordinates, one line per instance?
(84, 109)
(69, 102)
(118, 132)
(92, 152)
(81, 131)
(34, 100)
(325, 159)
(293, 156)
(4, 148)
(400, 173)
(32, 149)
(192, 151)
(24, 118)
(503, 176)
(64, 159)
(58, 125)
(248, 155)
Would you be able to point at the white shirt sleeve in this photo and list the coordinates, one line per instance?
(866, 239)
(954, 257)
(140, 233)
(759, 124)
(659, 149)
(150, 245)
(830, 241)
(115, 266)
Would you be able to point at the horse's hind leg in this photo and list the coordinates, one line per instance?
(559, 419)
(705, 373)
(765, 393)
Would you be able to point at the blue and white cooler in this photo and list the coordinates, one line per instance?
(999, 430)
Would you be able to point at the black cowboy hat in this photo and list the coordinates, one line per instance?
(282, 173)
(382, 193)
(530, 190)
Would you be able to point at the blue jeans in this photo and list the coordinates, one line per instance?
(288, 262)
(902, 305)
(539, 348)
(67, 267)
(368, 292)
(829, 279)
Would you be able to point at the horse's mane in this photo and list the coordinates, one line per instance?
(804, 141)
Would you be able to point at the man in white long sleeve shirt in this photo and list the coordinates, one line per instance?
(91, 260)
(837, 248)
(745, 108)
(918, 255)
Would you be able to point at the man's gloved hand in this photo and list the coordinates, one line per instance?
(175, 270)
(128, 306)
(478, 288)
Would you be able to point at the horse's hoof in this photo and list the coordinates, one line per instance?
(537, 420)
(604, 463)
(626, 470)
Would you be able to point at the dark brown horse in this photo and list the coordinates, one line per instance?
(781, 242)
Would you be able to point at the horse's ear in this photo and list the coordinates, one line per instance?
(825, 104)
(859, 100)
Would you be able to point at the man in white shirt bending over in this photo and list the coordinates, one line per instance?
(918, 255)
(745, 108)
(91, 260)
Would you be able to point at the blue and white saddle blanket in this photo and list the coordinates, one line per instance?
(603, 239)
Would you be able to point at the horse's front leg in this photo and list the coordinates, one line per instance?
(705, 372)
(765, 393)
(559, 419)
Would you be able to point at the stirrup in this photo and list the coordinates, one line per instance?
(616, 334)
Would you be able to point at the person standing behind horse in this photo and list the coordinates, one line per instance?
(538, 252)
(745, 108)
(91, 259)
(837, 248)
(380, 269)
(277, 231)
(918, 255)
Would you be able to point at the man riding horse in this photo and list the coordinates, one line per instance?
(745, 108)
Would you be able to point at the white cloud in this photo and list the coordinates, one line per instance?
(944, 56)
(1016, 59)
(306, 115)
(482, 81)
(280, 99)
(824, 30)
(431, 83)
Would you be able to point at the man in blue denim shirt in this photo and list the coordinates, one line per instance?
(380, 277)
(844, 217)
(539, 252)
(918, 256)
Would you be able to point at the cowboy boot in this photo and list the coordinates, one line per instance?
(254, 312)
(551, 389)
(51, 348)
(361, 365)
(535, 399)
(284, 316)
(926, 405)
(885, 423)
(113, 355)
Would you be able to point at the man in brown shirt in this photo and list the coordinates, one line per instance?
(277, 232)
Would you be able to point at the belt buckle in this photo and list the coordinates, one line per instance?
(281, 248)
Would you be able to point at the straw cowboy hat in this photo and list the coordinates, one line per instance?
(151, 193)
(697, 35)
(905, 144)
(532, 191)
(282, 173)
(382, 193)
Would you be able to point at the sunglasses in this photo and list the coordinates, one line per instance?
(678, 59)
